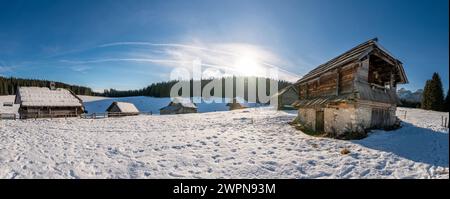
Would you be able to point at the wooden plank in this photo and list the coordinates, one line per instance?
(338, 74)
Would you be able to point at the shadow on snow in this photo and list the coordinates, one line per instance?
(411, 142)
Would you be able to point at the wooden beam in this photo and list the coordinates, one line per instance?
(382, 56)
(392, 80)
(338, 79)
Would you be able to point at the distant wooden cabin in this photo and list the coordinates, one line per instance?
(286, 97)
(39, 102)
(234, 105)
(179, 106)
(117, 109)
(352, 92)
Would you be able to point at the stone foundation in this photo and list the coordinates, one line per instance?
(340, 120)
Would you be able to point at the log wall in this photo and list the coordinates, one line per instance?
(334, 82)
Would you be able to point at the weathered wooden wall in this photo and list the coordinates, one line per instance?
(49, 112)
(335, 82)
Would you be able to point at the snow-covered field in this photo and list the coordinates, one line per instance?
(251, 143)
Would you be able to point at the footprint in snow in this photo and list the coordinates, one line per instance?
(73, 175)
(300, 169)
(229, 158)
(269, 165)
(176, 175)
(312, 162)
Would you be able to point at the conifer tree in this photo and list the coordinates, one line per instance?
(433, 95)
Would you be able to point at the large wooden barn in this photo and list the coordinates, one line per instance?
(351, 93)
(38, 102)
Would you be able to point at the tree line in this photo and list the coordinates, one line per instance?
(433, 95)
(162, 89)
(9, 86)
(409, 104)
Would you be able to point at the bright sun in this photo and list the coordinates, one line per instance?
(247, 64)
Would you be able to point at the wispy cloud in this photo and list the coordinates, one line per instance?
(90, 61)
(233, 58)
(4, 68)
(221, 55)
(80, 68)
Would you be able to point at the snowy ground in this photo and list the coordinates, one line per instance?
(252, 143)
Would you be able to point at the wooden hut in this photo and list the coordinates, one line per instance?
(117, 109)
(179, 106)
(234, 105)
(286, 97)
(38, 102)
(351, 93)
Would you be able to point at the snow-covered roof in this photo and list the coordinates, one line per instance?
(126, 107)
(184, 102)
(43, 96)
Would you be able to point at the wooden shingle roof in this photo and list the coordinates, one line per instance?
(356, 53)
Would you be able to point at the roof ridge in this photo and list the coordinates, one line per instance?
(349, 54)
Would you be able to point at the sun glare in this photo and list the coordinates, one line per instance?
(247, 64)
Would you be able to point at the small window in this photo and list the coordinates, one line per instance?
(7, 104)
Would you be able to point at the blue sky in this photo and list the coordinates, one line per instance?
(130, 44)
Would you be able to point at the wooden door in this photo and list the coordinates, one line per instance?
(380, 118)
(319, 121)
